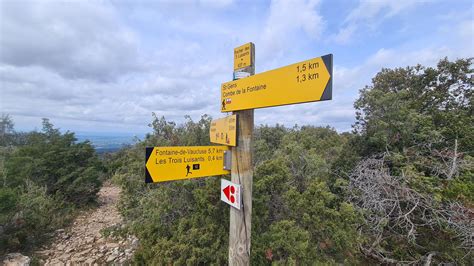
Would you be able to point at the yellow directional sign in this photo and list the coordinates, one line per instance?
(243, 56)
(307, 81)
(176, 163)
(224, 131)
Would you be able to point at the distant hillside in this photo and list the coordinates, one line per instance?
(106, 143)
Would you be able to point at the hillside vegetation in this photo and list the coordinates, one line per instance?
(44, 177)
(398, 189)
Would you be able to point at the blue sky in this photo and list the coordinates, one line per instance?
(104, 66)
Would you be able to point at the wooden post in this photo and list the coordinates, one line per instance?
(242, 173)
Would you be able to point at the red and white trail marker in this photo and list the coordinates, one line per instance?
(230, 193)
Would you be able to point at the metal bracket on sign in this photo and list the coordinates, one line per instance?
(227, 160)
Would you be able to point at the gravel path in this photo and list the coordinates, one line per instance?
(83, 244)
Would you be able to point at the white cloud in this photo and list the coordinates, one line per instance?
(38, 92)
(98, 66)
(367, 10)
(285, 20)
(368, 14)
(77, 39)
(347, 82)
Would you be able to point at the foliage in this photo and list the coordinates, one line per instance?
(45, 176)
(407, 107)
(27, 214)
(312, 203)
(55, 161)
(185, 223)
(420, 122)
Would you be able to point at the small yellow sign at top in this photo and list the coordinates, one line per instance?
(224, 131)
(243, 56)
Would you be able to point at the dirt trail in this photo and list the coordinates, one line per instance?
(83, 244)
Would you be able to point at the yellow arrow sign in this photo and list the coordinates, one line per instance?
(175, 163)
(307, 81)
(224, 131)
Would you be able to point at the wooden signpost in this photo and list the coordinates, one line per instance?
(306, 81)
(242, 174)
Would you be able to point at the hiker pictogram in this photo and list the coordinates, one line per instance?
(188, 168)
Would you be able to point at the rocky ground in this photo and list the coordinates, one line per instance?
(83, 243)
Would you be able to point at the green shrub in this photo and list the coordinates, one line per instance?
(28, 216)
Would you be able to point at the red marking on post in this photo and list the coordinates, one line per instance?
(229, 192)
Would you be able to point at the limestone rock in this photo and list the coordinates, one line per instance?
(16, 259)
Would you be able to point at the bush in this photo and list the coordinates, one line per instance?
(28, 215)
(55, 161)
(296, 218)
(45, 177)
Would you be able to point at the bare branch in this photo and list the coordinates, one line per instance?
(390, 205)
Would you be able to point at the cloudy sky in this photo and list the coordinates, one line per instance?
(104, 66)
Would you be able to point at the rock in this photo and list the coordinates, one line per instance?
(55, 262)
(84, 252)
(135, 243)
(45, 252)
(111, 258)
(16, 259)
(77, 259)
(69, 250)
(65, 257)
(111, 245)
(116, 251)
(89, 261)
(59, 231)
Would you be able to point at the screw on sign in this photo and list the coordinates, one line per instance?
(230, 193)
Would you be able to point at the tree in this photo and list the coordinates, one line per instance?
(6, 129)
(46, 175)
(55, 161)
(415, 132)
(408, 106)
